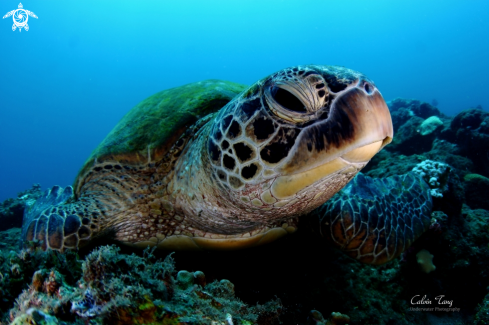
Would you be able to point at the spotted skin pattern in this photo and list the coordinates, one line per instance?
(375, 220)
(236, 178)
(250, 141)
(249, 145)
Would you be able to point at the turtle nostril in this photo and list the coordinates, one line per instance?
(368, 88)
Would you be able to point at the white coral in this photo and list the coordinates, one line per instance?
(435, 173)
(430, 125)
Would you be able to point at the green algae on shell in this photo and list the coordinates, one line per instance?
(158, 121)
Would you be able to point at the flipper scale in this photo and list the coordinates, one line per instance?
(50, 219)
(394, 212)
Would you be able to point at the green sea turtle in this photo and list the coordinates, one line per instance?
(217, 165)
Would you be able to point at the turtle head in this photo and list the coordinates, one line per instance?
(298, 136)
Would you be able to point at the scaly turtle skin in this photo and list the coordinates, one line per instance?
(180, 172)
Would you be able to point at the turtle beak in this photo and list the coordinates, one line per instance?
(358, 126)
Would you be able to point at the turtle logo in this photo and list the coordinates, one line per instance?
(20, 17)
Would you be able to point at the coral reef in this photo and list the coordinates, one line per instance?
(12, 210)
(409, 140)
(482, 315)
(310, 277)
(435, 174)
(425, 261)
(470, 131)
(316, 318)
(459, 234)
(430, 125)
(416, 107)
(476, 189)
(113, 288)
(416, 125)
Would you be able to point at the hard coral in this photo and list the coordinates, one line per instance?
(48, 294)
(338, 319)
(430, 125)
(419, 108)
(435, 174)
(425, 261)
(316, 318)
(18, 270)
(12, 210)
(124, 290)
(476, 189)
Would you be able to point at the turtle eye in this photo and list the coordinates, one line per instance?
(287, 100)
(296, 98)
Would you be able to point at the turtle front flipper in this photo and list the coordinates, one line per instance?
(375, 220)
(52, 221)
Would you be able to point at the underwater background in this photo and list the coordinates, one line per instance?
(81, 66)
(67, 81)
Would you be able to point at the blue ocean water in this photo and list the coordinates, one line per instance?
(83, 64)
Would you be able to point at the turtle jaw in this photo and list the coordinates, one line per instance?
(359, 125)
(287, 186)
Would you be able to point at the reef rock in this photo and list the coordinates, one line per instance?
(12, 210)
(470, 131)
(425, 261)
(482, 315)
(403, 109)
(113, 288)
(306, 274)
(408, 140)
(435, 174)
(476, 191)
(430, 125)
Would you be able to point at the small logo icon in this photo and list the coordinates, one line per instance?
(20, 17)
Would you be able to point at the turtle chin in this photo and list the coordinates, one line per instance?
(358, 126)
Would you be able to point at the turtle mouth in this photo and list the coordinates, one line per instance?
(350, 162)
(359, 125)
(356, 119)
